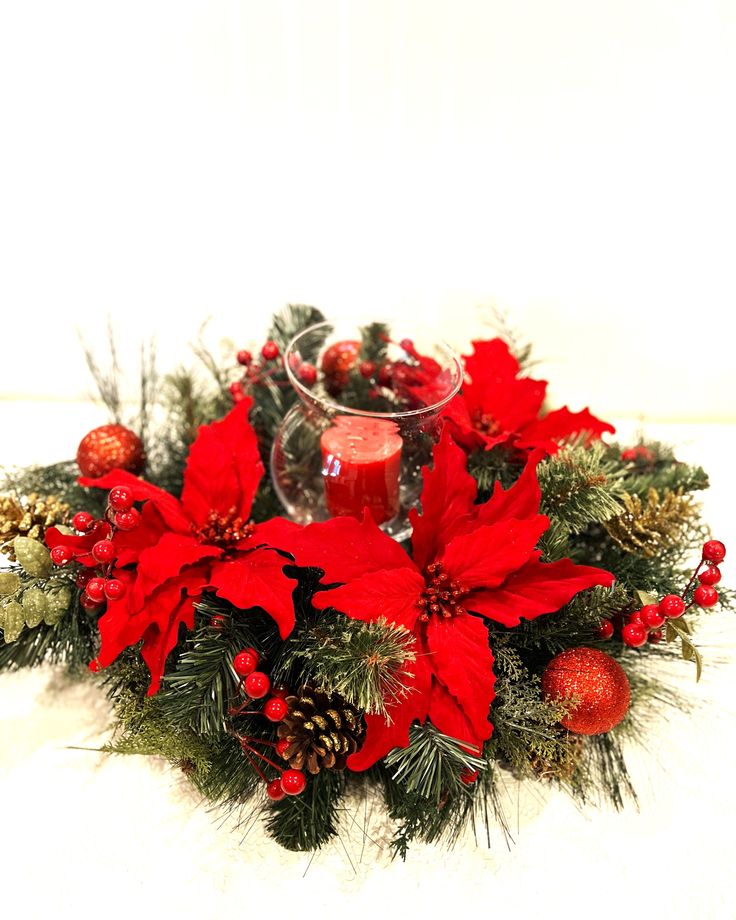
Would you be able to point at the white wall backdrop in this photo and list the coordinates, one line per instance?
(572, 162)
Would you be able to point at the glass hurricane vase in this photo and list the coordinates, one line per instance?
(367, 418)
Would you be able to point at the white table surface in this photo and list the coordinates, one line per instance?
(83, 834)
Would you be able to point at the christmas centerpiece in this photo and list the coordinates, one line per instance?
(359, 559)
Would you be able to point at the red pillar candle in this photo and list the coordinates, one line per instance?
(361, 461)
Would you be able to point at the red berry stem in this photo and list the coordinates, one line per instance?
(255, 765)
(690, 583)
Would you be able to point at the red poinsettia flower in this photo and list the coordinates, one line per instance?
(469, 561)
(497, 406)
(204, 541)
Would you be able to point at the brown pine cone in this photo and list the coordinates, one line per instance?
(28, 519)
(323, 730)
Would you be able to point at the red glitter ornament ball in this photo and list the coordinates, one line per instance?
(598, 682)
(110, 447)
(339, 358)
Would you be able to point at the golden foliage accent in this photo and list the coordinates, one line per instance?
(649, 526)
(28, 518)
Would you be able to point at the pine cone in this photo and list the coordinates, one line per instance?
(29, 518)
(323, 730)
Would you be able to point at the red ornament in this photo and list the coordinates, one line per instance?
(127, 520)
(245, 662)
(308, 374)
(651, 616)
(120, 498)
(672, 606)
(61, 555)
(83, 521)
(95, 590)
(257, 685)
(340, 358)
(597, 681)
(293, 782)
(114, 589)
(634, 634)
(110, 447)
(270, 351)
(710, 576)
(274, 790)
(605, 629)
(275, 709)
(103, 551)
(714, 551)
(705, 596)
(244, 357)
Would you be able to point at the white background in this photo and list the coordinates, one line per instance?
(571, 162)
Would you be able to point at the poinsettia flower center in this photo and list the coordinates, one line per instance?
(441, 595)
(486, 423)
(224, 529)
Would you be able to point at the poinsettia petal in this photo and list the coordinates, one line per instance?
(158, 642)
(461, 660)
(520, 501)
(496, 391)
(457, 418)
(345, 548)
(168, 507)
(385, 734)
(388, 593)
(536, 588)
(562, 424)
(277, 532)
(257, 579)
(224, 467)
(166, 560)
(487, 555)
(447, 501)
(129, 544)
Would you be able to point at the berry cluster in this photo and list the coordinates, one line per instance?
(644, 625)
(259, 370)
(255, 685)
(93, 549)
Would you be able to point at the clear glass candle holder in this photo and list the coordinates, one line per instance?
(362, 430)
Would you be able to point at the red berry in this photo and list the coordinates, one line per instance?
(604, 629)
(280, 690)
(114, 589)
(281, 746)
(632, 454)
(244, 357)
(245, 662)
(672, 606)
(651, 616)
(367, 369)
(468, 776)
(95, 590)
(407, 345)
(634, 634)
(385, 374)
(120, 498)
(275, 709)
(714, 551)
(257, 685)
(274, 790)
(308, 374)
(61, 555)
(705, 596)
(83, 521)
(127, 520)
(217, 621)
(635, 617)
(236, 391)
(83, 578)
(655, 636)
(710, 576)
(103, 551)
(270, 351)
(87, 603)
(293, 782)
